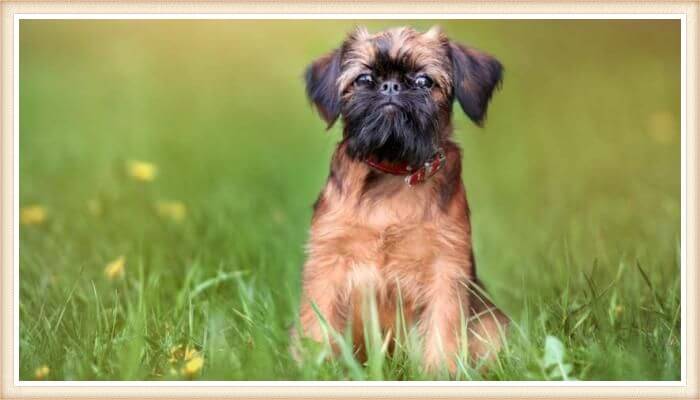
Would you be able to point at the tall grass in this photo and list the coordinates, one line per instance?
(574, 186)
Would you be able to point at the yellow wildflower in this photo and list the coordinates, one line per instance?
(193, 366)
(32, 215)
(618, 310)
(42, 372)
(95, 207)
(141, 170)
(174, 210)
(190, 360)
(115, 269)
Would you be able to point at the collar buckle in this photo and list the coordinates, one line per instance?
(428, 169)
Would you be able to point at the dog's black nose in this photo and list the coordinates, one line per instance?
(390, 87)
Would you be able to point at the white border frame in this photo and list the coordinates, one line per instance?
(324, 16)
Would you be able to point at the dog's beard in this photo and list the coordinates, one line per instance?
(405, 132)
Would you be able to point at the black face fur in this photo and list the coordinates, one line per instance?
(391, 115)
(393, 128)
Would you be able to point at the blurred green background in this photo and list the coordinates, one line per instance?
(574, 185)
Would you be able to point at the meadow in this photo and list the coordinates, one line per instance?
(167, 172)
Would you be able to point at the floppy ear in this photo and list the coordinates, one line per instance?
(475, 76)
(322, 86)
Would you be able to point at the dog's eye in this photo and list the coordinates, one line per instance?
(423, 82)
(364, 80)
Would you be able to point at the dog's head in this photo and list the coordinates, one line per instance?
(394, 90)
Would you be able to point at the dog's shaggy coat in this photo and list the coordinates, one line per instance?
(374, 235)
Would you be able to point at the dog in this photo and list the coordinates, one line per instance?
(392, 219)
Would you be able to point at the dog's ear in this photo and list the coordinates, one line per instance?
(475, 76)
(322, 87)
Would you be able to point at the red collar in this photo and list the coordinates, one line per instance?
(413, 176)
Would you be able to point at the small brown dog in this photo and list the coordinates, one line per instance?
(393, 218)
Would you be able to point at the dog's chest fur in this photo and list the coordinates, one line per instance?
(385, 232)
(375, 228)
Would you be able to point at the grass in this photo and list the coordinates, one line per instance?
(574, 186)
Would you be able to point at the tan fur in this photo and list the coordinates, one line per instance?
(391, 238)
(400, 242)
(423, 48)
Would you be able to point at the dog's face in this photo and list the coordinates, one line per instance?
(394, 91)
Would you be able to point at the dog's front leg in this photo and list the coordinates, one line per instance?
(325, 286)
(445, 308)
